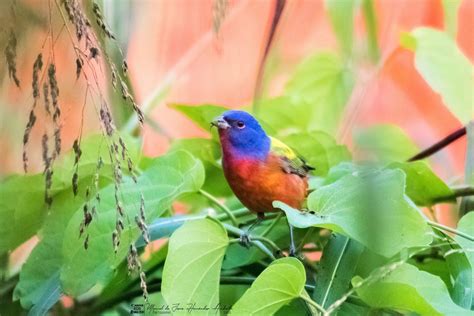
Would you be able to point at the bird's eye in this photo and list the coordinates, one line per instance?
(240, 124)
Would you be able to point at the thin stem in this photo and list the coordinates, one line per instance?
(314, 304)
(439, 145)
(451, 230)
(268, 242)
(305, 237)
(272, 225)
(220, 205)
(257, 243)
(459, 191)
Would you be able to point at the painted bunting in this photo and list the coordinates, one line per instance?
(260, 169)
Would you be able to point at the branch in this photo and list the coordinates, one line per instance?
(439, 145)
(279, 6)
(457, 192)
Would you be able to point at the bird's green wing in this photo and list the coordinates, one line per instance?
(290, 161)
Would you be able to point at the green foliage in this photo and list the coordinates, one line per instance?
(324, 83)
(278, 285)
(444, 68)
(319, 149)
(342, 19)
(379, 235)
(385, 143)
(165, 180)
(356, 206)
(336, 269)
(466, 276)
(21, 205)
(422, 185)
(192, 267)
(409, 289)
(202, 115)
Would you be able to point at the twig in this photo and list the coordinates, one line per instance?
(257, 243)
(459, 191)
(439, 145)
(314, 304)
(272, 225)
(451, 230)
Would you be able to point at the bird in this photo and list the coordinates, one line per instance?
(259, 168)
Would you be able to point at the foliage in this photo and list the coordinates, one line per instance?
(113, 233)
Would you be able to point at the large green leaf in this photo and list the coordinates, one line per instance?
(39, 276)
(325, 83)
(319, 149)
(192, 267)
(409, 289)
(276, 286)
(202, 115)
(342, 19)
(168, 177)
(384, 143)
(357, 206)
(21, 205)
(209, 152)
(423, 185)
(466, 225)
(444, 67)
(22, 197)
(336, 269)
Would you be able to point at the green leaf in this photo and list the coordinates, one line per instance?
(192, 268)
(356, 205)
(384, 143)
(336, 269)
(39, 276)
(168, 177)
(342, 20)
(21, 205)
(22, 197)
(325, 83)
(319, 149)
(423, 185)
(276, 286)
(466, 225)
(409, 289)
(371, 25)
(202, 115)
(450, 8)
(209, 152)
(446, 69)
(284, 114)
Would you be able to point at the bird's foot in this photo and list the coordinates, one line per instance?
(292, 251)
(244, 240)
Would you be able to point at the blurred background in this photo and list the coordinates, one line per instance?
(210, 52)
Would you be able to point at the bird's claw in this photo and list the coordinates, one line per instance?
(244, 240)
(292, 252)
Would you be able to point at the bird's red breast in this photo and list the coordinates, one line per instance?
(258, 183)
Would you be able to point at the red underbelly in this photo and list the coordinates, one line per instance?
(257, 184)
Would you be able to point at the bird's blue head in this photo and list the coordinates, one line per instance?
(241, 135)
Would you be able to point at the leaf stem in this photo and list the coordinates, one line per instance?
(314, 304)
(220, 205)
(257, 243)
(451, 230)
(272, 225)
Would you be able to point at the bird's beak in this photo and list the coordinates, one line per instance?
(220, 123)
